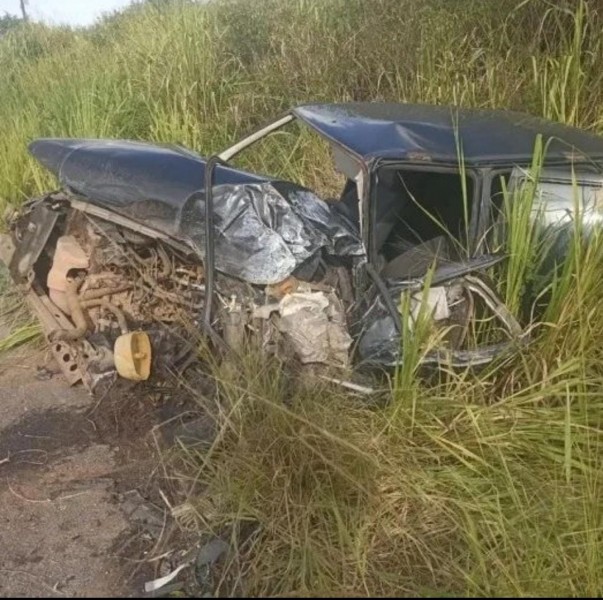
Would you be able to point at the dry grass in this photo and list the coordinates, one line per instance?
(479, 483)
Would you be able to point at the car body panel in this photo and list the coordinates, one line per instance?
(437, 134)
(145, 182)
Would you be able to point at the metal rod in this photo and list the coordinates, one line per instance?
(212, 162)
(209, 261)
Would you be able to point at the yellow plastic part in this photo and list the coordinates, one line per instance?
(132, 354)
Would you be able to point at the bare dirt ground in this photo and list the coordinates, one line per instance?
(80, 515)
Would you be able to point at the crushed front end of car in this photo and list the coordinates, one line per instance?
(115, 297)
(120, 299)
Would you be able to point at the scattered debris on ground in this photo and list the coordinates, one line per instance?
(82, 473)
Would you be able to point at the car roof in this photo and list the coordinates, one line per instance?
(421, 132)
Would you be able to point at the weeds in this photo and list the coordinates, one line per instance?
(209, 74)
(16, 325)
(478, 483)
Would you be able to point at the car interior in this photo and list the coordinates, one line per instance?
(420, 216)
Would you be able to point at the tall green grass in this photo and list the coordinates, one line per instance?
(476, 482)
(202, 75)
(482, 483)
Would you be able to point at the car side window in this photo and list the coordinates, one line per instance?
(297, 154)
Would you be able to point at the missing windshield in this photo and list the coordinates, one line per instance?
(420, 215)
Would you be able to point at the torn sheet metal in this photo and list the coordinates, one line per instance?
(267, 231)
(314, 324)
(379, 341)
(34, 232)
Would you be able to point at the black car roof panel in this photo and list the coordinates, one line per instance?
(372, 130)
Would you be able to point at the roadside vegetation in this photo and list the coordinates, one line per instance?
(479, 482)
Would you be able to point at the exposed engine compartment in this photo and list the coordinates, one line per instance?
(145, 279)
(103, 290)
(97, 286)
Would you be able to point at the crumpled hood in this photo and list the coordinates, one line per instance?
(264, 230)
(146, 182)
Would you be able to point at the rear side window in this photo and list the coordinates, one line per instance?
(553, 203)
(558, 195)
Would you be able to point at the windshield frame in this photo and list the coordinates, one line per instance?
(400, 165)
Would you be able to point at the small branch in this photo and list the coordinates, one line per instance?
(46, 501)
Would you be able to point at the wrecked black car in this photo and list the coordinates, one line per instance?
(143, 241)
